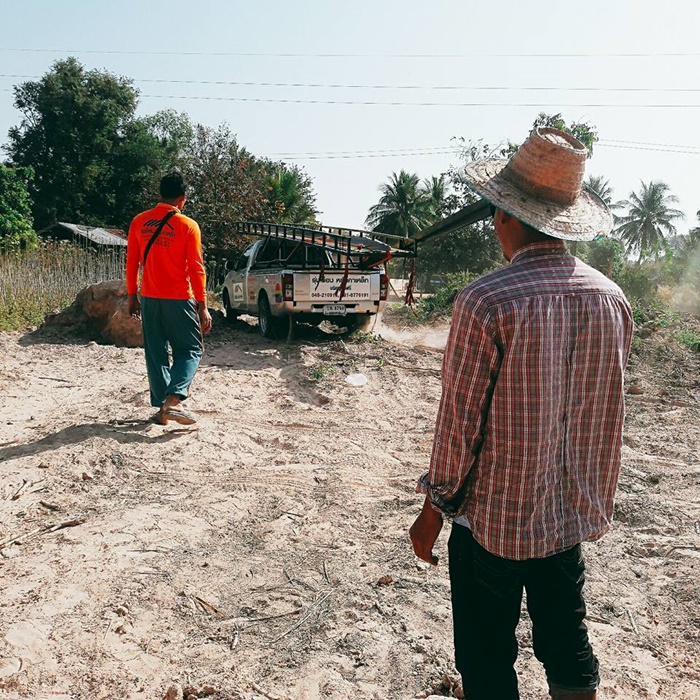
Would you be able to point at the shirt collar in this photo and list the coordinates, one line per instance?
(532, 250)
(168, 206)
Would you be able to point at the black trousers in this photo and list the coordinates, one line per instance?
(486, 599)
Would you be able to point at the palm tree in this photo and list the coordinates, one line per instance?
(403, 209)
(441, 202)
(601, 186)
(291, 195)
(649, 219)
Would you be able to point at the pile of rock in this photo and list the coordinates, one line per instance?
(100, 312)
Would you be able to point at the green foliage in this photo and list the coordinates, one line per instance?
(649, 219)
(96, 163)
(586, 133)
(47, 278)
(228, 184)
(689, 338)
(607, 255)
(15, 209)
(404, 207)
(150, 147)
(439, 305)
(320, 371)
(474, 248)
(291, 198)
(683, 266)
(74, 126)
(637, 284)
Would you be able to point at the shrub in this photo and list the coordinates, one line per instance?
(637, 285)
(439, 305)
(689, 338)
(36, 282)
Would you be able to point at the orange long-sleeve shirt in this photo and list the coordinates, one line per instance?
(175, 267)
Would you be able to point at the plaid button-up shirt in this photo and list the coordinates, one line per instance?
(529, 430)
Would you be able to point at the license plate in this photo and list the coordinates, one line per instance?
(334, 310)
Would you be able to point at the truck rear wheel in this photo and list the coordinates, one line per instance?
(360, 322)
(270, 326)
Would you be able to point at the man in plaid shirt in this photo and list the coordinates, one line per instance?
(528, 437)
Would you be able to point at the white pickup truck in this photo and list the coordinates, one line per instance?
(283, 280)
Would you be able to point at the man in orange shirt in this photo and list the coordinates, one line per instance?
(173, 305)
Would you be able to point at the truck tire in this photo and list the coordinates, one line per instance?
(360, 323)
(270, 326)
(231, 315)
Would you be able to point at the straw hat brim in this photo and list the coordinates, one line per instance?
(584, 220)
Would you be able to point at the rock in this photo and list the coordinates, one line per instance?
(100, 311)
(208, 689)
(122, 611)
(174, 692)
(86, 476)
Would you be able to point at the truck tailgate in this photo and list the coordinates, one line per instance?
(360, 287)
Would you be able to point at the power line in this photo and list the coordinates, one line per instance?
(695, 152)
(252, 54)
(430, 151)
(399, 103)
(648, 143)
(387, 154)
(356, 86)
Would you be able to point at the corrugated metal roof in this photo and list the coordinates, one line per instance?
(95, 234)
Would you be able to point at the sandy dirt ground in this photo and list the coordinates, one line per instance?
(264, 552)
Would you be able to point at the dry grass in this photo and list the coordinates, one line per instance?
(36, 282)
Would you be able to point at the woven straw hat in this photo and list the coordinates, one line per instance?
(542, 185)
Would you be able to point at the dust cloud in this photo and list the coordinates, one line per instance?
(434, 337)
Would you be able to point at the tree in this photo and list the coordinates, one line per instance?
(586, 133)
(685, 263)
(607, 255)
(441, 202)
(403, 209)
(291, 196)
(226, 184)
(601, 186)
(150, 148)
(649, 219)
(73, 122)
(16, 229)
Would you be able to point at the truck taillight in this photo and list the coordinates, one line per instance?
(288, 287)
(383, 287)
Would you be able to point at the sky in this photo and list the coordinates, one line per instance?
(353, 91)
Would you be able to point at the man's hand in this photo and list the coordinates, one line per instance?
(134, 307)
(424, 532)
(204, 316)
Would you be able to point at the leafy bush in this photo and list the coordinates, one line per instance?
(689, 338)
(439, 305)
(637, 284)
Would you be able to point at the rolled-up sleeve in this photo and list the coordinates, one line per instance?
(469, 373)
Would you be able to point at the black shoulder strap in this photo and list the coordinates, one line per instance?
(162, 223)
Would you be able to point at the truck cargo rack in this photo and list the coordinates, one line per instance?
(372, 246)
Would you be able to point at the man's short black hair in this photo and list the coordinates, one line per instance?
(172, 186)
